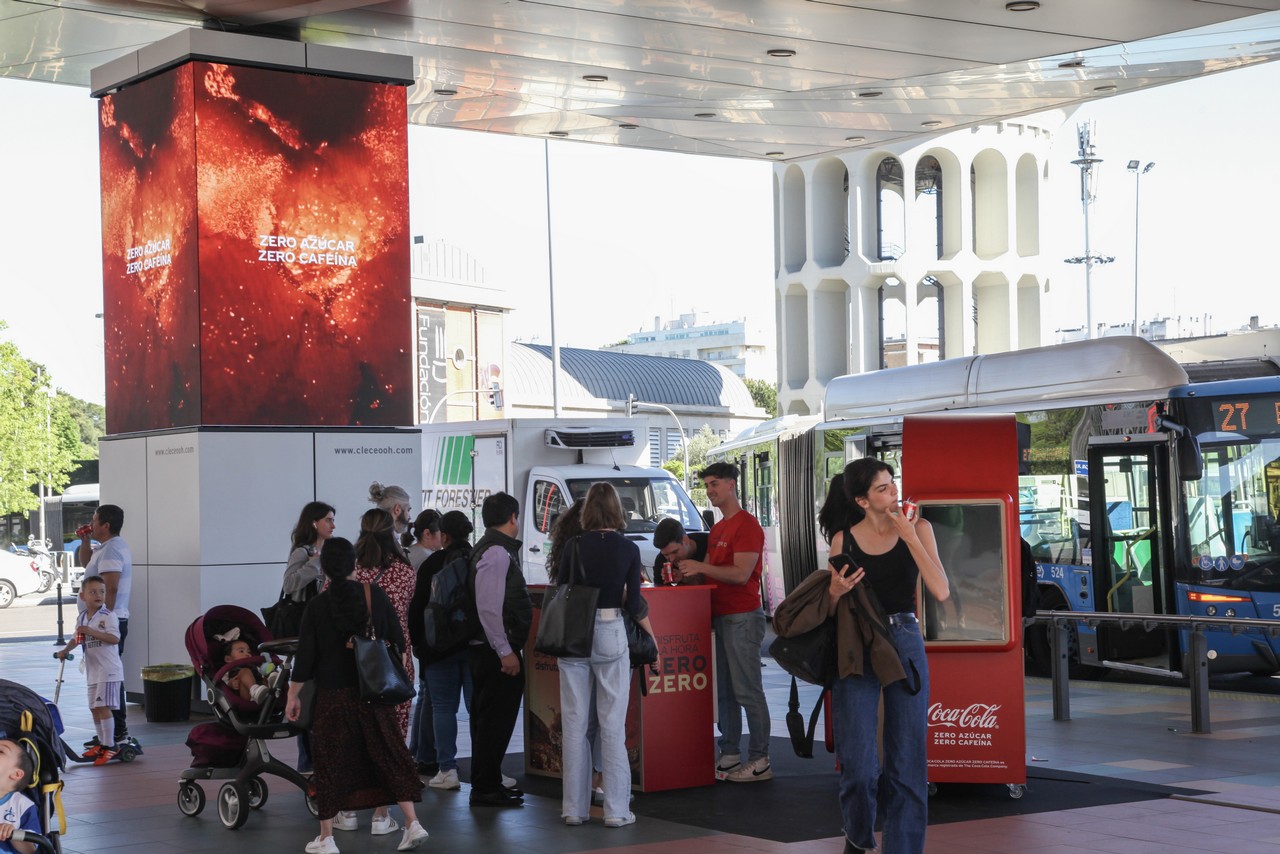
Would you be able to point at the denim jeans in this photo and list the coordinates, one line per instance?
(905, 784)
(739, 686)
(422, 737)
(448, 680)
(606, 675)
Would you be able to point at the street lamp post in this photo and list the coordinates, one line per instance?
(632, 403)
(1137, 196)
(1086, 161)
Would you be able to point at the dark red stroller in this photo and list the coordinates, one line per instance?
(235, 746)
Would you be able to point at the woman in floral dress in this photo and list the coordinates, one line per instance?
(380, 561)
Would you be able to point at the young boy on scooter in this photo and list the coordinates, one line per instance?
(98, 631)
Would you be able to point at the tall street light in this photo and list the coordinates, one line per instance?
(1137, 195)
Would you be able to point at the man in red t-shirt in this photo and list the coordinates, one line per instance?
(734, 550)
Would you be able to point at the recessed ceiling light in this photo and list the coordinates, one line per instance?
(559, 133)
(932, 123)
(704, 115)
(628, 126)
(781, 52)
(1107, 88)
(594, 78)
(1022, 6)
(773, 154)
(446, 92)
(870, 93)
(1072, 63)
(855, 139)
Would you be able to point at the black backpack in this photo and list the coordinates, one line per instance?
(450, 618)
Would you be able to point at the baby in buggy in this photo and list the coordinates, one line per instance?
(228, 647)
(31, 764)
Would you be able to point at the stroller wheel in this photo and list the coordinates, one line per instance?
(312, 806)
(257, 791)
(190, 799)
(233, 805)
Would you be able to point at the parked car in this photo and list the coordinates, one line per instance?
(19, 576)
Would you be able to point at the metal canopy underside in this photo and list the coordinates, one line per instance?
(518, 67)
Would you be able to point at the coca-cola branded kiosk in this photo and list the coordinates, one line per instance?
(962, 470)
(669, 725)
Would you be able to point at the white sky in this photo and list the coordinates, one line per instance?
(640, 234)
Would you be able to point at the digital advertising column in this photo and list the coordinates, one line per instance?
(257, 310)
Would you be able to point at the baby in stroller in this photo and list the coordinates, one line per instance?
(32, 759)
(227, 646)
(245, 679)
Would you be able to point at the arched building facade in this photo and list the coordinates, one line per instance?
(945, 232)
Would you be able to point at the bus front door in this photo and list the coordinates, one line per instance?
(1131, 546)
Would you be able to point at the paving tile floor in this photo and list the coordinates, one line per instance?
(1122, 731)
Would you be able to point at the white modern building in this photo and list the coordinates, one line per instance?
(738, 345)
(939, 236)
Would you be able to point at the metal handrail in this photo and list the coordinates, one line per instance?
(1060, 623)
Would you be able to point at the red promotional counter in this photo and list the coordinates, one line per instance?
(977, 714)
(670, 738)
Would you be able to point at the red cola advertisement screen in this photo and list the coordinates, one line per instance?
(255, 250)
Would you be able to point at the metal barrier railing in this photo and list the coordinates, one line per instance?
(1059, 624)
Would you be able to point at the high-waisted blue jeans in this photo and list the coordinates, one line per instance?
(905, 787)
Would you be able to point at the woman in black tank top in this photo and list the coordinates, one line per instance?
(889, 554)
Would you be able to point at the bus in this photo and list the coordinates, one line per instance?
(62, 515)
(1140, 492)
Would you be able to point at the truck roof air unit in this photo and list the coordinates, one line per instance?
(577, 438)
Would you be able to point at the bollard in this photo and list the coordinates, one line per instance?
(61, 641)
(1060, 647)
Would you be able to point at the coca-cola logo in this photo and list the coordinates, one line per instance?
(978, 716)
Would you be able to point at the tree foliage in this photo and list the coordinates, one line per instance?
(90, 422)
(39, 440)
(764, 394)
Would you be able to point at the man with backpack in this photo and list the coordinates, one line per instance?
(505, 612)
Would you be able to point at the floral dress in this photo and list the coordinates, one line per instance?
(397, 582)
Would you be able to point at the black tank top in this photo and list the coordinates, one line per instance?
(892, 575)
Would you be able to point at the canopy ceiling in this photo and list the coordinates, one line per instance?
(697, 75)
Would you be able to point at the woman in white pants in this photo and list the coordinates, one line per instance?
(602, 558)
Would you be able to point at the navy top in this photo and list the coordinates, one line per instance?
(892, 575)
(611, 563)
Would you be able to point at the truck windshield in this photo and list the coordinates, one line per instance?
(646, 501)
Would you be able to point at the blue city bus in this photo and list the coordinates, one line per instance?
(1140, 492)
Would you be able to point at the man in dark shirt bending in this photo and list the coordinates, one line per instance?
(674, 544)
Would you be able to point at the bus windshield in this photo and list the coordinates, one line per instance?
(1231, 514)
(646, 501)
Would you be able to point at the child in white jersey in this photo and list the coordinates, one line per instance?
(98, 631)
(17, 811)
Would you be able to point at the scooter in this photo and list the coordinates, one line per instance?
(128, 751)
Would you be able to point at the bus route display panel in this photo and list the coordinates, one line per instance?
(255, 250)
(1221, 417)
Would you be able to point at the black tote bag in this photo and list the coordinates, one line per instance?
(380, 673)
(567, 626)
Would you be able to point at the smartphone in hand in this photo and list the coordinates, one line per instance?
(844, 565)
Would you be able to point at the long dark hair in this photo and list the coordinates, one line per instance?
(568, 524)
(304, 533)
(376, 545)
(840, 511)
(427, 520)
(338, 560)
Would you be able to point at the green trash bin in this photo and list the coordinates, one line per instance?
(166, 692)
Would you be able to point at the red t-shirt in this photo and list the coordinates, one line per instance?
(739, 533)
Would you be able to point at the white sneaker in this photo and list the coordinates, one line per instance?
(344, 821)
(382, 825)
(322, 845)
(621, 821)
(508, 782)
(726, 765)
(755, 771)
(574, 820)
(413, 836)
(259, 694)
(445, 780)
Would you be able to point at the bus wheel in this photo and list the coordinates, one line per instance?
(1039, 652)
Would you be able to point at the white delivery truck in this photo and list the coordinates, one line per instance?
(548, 464)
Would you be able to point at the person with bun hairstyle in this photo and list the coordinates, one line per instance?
(395, 501)
(422, 538)
(360, 757)
(446, 673)
(878, 553)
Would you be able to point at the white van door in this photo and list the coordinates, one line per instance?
(543, 501)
